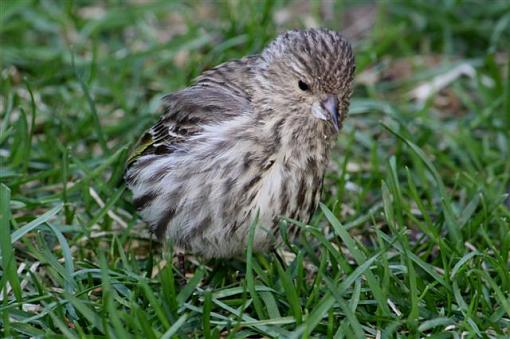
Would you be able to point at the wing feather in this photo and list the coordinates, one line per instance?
(218, 94)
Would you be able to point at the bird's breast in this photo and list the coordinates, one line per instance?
(290, 187)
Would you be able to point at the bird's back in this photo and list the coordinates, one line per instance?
(218, 94)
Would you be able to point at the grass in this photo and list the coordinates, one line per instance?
(412, 238)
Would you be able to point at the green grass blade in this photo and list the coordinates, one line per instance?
(16, 235)
(250, 278)
(358, 256)
(291, 293)
(9, 269)
(175, 327)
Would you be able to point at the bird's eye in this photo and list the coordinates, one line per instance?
(303, 86)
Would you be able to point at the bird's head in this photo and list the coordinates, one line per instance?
(308, 74)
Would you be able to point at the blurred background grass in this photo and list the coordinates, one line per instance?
(413, 238)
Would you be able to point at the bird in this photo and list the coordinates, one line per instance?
(249, 141)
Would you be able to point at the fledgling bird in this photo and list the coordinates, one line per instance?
(250, 138)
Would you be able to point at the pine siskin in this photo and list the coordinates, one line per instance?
(250, 138)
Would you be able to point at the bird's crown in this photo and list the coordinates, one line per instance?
(323, 56)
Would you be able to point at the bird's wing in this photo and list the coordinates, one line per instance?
(218, 94)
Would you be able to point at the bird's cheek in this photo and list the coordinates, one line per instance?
(319, 112)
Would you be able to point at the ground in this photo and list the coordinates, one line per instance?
(412, 239)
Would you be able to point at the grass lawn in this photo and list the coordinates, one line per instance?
(412, 238)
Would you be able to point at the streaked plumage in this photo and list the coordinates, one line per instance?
(251, 135)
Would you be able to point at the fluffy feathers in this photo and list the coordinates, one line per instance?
(243, 140)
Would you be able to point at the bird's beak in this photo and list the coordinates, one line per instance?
(330, 104)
